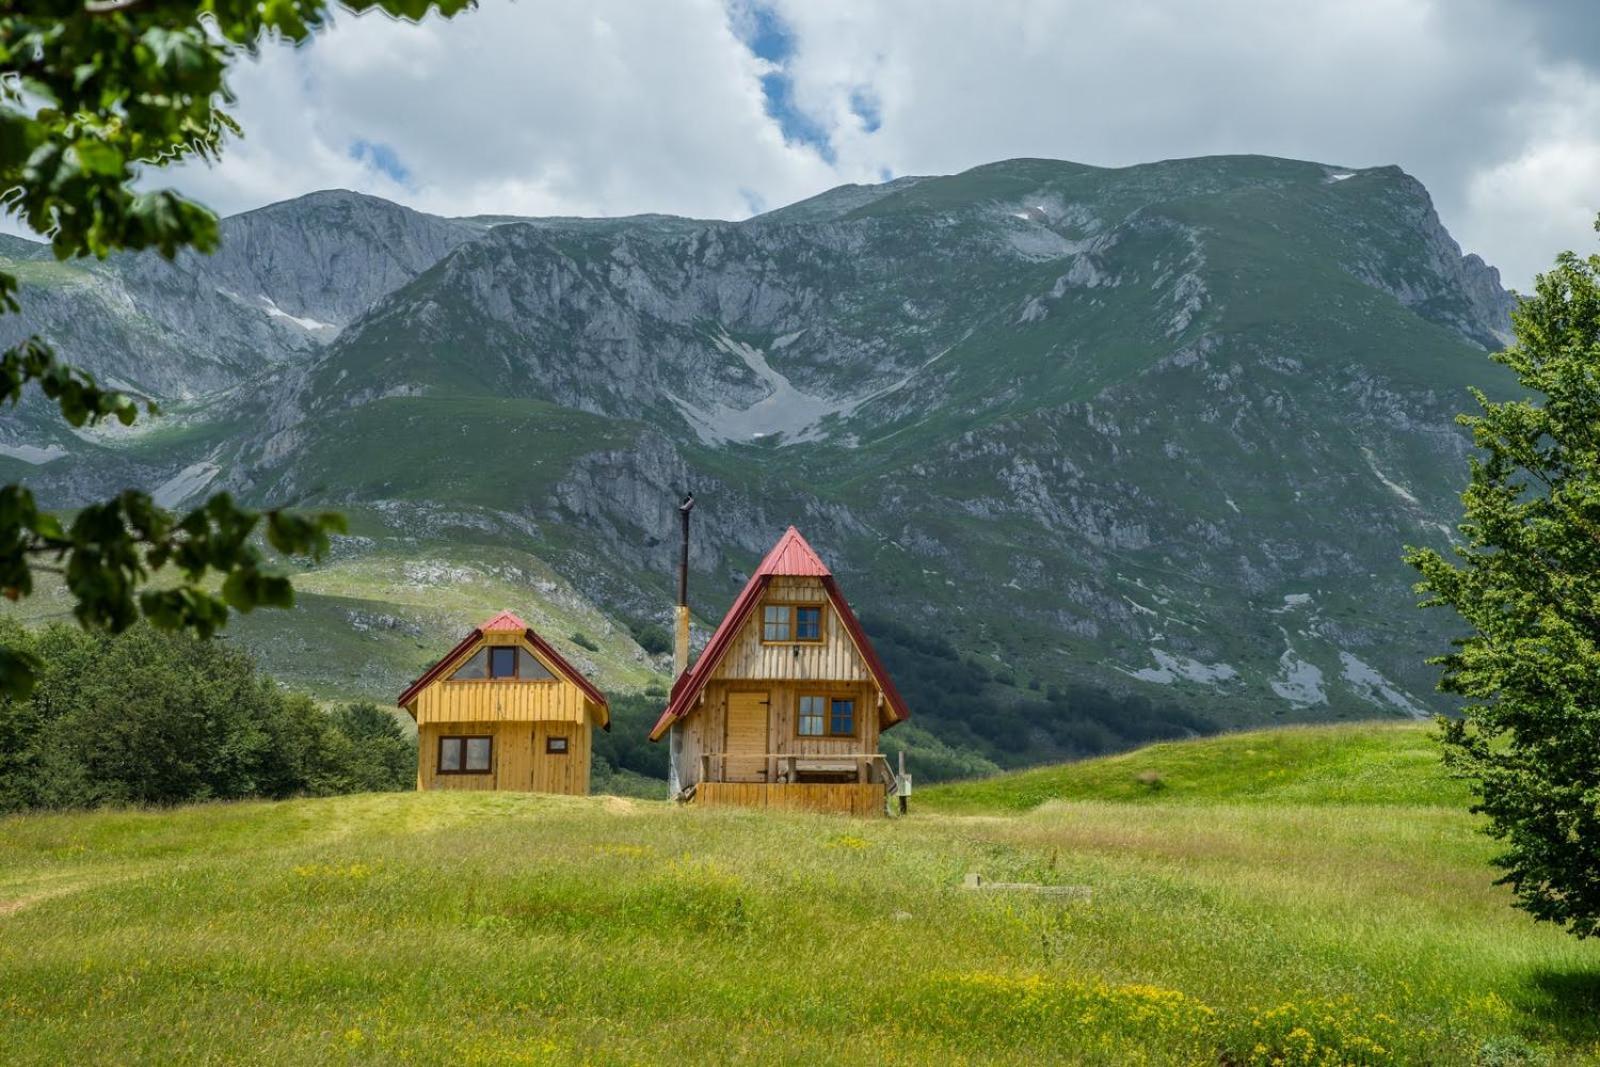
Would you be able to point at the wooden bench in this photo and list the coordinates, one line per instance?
(823, 769)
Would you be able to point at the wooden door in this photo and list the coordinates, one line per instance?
(747, 737)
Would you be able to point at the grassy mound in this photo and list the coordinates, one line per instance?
(1363, 763)
(514, 929)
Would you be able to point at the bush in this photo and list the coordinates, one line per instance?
(653, 638)
(148, 717)
(583, 640)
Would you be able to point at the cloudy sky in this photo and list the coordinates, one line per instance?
(722, 108)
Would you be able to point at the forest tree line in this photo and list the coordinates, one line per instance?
(152, 717)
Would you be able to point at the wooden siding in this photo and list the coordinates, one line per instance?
(844, 799)
(835, 658)
(518, 760)
(706, 730)
(484, 700)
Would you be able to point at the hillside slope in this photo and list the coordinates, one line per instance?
(1366, 764)
(501, 928)
(1161, 430)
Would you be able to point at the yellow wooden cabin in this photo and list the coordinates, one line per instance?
(785, 705)
(504, 710)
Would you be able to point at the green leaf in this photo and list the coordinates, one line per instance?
(98, 157)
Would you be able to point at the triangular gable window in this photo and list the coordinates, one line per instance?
(530, 669)
(474, 668)
(505, 662)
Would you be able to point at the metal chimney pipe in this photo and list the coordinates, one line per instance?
(680, 648)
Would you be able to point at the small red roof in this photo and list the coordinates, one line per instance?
(791, 557)
(508, 622)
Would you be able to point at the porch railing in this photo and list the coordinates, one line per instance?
(794, 767)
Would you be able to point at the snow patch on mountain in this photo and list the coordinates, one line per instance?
(1299, 681)
(1370, 685)
(1172, 668)
(33, 454)
(786, 409)
(273, 310)
(185, 484)
(1388, 483)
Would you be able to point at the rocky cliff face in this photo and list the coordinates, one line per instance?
(1166, 428)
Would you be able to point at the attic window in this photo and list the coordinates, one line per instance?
(808, 624)
(775, 622)
(791, 623)
(475, 668)
(530, 669)
(555, 746)
(503, 661)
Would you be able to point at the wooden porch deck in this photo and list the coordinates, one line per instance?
(865, 799)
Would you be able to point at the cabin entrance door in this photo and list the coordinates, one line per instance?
(747, 737)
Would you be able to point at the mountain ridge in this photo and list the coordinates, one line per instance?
(1161, 428)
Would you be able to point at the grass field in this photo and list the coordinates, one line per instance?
(1315, 896)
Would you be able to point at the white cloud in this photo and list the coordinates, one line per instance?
(529, 108)
(1545, 196)
(616, 107)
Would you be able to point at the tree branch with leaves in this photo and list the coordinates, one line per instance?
(93, 95)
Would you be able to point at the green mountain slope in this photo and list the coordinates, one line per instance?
(1158, 431)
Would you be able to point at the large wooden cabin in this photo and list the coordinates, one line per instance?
(504, 710)
(785, 704)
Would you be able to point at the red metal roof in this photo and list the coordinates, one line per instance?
(504, 622)
(793, 557)
(790, 557)
(507, 622)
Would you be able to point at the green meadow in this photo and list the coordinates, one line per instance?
(1310, 896)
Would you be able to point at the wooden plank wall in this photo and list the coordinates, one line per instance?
(833, 667)
(554, 700)
(706, 729)
(518, 762)
(844, 799)
(835, 658)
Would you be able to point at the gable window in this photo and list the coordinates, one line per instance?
(775, 622)
(475, 668)
(503, 661)
(555, 746)
(530, 669)
(466, 755)
(821, 716)
(783, 624)
(808, 624)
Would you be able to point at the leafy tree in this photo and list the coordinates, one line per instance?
(92, 93)
(152, 717)
(1527, 583)
(653, 638)
(382, 756)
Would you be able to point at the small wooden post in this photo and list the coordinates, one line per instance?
(899, 788)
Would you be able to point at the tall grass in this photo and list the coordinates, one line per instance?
(517, 929)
